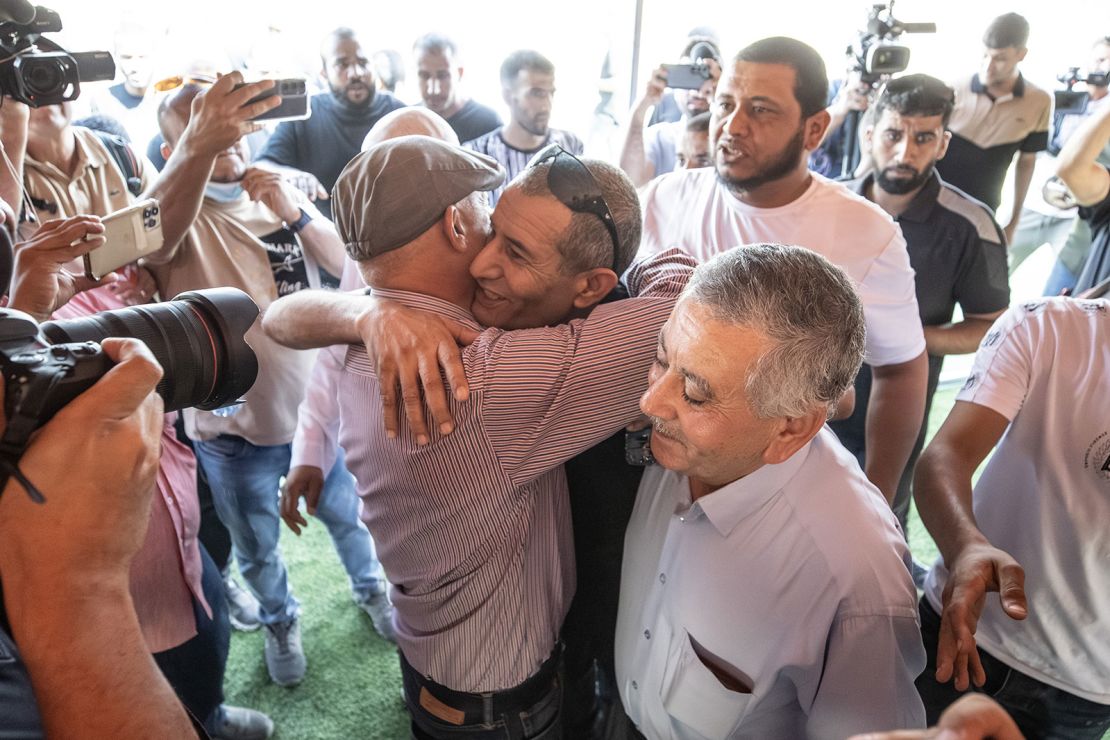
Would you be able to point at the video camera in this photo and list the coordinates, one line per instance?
(875, 52)
(1075, 101)
(198, 338)
(37, 71)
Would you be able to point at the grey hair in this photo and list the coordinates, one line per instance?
(586, 244)
(809, 310)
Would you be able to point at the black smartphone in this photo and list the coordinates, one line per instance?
(686, 76)
(1100, 290)
(294, 100)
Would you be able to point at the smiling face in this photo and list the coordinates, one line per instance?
(703, 424)
(757, 132)
(520, 275)
(348, 71)
(905, 148)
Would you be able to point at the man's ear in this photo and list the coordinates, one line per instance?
(1022, 52)
(592, 286)
(815, 127)
(793, 435)
(455, 229)
(945, 140)
(866, 141)
(507, 96)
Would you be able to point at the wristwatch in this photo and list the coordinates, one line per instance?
(300, 223)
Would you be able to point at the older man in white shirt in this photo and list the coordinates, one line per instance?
(765, 589)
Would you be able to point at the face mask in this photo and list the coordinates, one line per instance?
(223, 192)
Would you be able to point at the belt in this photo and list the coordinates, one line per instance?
(464, 708)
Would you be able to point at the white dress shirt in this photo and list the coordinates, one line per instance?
(796, 578)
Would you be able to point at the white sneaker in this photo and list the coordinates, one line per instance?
(380, 611)
(242, 607)
(284, 655)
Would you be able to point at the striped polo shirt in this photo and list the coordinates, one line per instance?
(986, 132)
(474, 528)
(516, 160)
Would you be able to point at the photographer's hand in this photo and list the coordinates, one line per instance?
(42, 280)
(65, 563)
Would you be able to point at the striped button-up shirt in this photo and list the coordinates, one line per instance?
(516, 160)
(474, 528)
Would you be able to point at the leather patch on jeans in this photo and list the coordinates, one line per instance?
(438, 709)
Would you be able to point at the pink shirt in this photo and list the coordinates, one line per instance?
(474, 528)
(166, 572)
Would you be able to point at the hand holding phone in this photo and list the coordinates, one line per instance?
(129, 234)
(686, 76)
(294, 101)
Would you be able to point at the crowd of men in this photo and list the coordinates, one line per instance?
(608, 450)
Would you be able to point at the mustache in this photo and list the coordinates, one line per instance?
(664, 428)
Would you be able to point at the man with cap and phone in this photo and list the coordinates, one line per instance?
(471, 517)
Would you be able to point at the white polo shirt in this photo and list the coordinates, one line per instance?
(796, 577)
(1044, 497)
(691, 210)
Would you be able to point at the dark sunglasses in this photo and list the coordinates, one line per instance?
(571, 182)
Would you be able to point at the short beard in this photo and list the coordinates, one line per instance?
(341, 96)
(901, 186)
(534, 128)
(781, 166)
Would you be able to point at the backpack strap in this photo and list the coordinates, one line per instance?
(125, 159)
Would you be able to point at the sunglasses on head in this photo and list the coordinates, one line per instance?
(572, 184)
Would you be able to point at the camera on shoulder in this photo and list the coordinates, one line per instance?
(36, 70)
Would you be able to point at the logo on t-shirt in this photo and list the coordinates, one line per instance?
(970, 382)
(1097, 458)
(991, 338)
(1033, 306)
(1092, 306)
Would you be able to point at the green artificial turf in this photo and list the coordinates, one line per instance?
(353, 685)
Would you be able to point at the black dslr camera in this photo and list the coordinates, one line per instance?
(1075, 101)
(35, 70)
(198, 338)
(876, 52)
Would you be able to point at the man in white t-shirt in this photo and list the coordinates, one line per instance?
(768, 114)
(1033, 529)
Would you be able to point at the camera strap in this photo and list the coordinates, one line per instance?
(9, 469)
(24, 401)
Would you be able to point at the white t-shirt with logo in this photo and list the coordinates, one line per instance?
(1044, 497)
(689, 209)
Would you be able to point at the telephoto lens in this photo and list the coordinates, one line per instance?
(198, 338)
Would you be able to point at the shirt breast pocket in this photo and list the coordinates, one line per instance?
(697, 702)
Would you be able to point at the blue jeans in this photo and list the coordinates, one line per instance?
(1040, 710)
(1060, 277)
(245, 481)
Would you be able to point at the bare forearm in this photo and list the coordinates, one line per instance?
(323, 243)
(315, 318)
(103, 683)
(180, 191)
(14, 141)
(1077, 163)
(943, 492)
(1023, 175)
(895, 413)
(959, 338)
(633, 158)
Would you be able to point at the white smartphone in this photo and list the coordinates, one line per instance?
(131, 233)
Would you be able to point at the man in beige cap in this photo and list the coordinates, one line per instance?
(473, 526)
